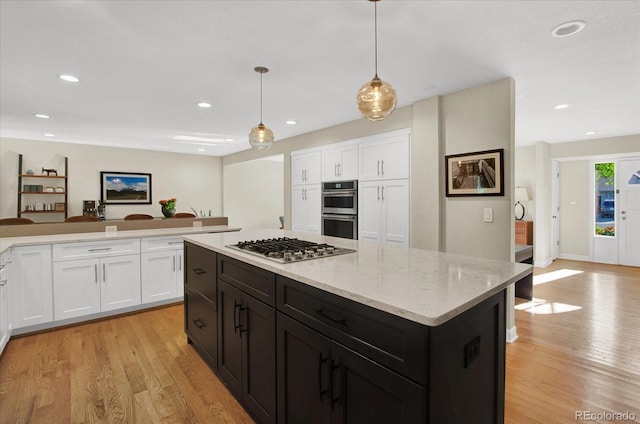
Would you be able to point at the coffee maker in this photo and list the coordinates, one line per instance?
(89, 208)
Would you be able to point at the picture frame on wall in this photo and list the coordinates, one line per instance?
(125, 188)
(475, 174)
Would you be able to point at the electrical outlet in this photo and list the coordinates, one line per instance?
(471, 351)
(111, 230)
(197, 224)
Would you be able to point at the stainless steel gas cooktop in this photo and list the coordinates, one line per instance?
(285, 250)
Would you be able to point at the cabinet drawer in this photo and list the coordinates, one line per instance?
(200, 271)
(84, 250)
(154, 244)
(389, 340)
(255, 281)
(201, 324)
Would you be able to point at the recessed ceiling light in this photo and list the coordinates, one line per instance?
(201, 150)
(69, 78)
(290, 122)
(204, 105)
(197, 138)
(228, 139)
(48, 135)
(562, 106)
(590, 133)
(41, 116)
(568, 28)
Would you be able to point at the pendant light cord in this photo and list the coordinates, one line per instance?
(261, 97)
(375, 29)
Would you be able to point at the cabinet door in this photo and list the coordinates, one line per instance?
(229, 341)
(258, 333)
(313, 198)
(303, 373)
(298, 209)
(366, 392)
(395, 158)
(348, 169)
(298, 163)
(76, 289)
(369, 212)
(201, 325)
(158, 271)
(369, 161)
(33, 297)
(313, 168)
(330, 162)
(120, 282)
(5, 304)
(395, 205)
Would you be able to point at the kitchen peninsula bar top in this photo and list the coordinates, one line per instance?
(7, 242)
(422, 286)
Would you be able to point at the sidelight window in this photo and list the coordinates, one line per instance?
(605, 201)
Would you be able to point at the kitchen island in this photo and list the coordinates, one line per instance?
(380, 335)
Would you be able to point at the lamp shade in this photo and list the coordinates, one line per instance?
(376, 99)
(522, 194)
(261, 137)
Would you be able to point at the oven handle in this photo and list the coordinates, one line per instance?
(340, 217)
(341, 193)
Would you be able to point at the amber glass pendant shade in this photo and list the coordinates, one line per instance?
(261, 137)
(376, 99)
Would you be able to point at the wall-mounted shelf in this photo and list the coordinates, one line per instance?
(59, 179)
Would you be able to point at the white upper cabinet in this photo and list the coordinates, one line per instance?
(305, 167)
(386, 158)
(340, 163)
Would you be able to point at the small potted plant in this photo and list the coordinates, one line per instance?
(168, 207)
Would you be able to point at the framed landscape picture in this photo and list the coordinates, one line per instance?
(475, 174)
(125, 188)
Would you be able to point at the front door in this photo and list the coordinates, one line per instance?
(629, 212)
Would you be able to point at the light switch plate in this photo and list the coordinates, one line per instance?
(488, 215)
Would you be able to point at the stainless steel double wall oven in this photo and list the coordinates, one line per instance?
(340, 209)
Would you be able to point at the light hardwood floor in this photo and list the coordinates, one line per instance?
(585, 356)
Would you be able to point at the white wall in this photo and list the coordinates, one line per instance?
(525, 176)
(253, 193)
(196, 181)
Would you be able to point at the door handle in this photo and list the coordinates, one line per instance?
(378, 193)
(104, 273)
(174, 263)
(95, 274)
(246, 320)
(236, 325)
(333, 368)
(383, 193)
(378, 167)
(382, 167)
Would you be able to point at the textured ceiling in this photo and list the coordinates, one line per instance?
(144, 65)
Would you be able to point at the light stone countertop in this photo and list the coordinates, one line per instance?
(7, 242)
(423, 286)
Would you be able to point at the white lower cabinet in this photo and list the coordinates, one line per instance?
(6, 322)
(383, 212)
(95, 277)
(162, 275)
(306, 208)
(32, 294)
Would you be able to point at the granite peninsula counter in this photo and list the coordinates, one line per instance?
(385, 334)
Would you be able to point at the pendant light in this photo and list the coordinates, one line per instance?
(261, 137)
(376, 99)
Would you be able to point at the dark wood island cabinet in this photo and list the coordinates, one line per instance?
(294, 353)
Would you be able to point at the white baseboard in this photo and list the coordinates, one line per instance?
(512, 334)
(543, 264)
(575, 257)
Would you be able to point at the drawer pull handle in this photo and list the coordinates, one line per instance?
(199, 323)
(102, 249)
(199, 271)
(175, 242)
(337, 320)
